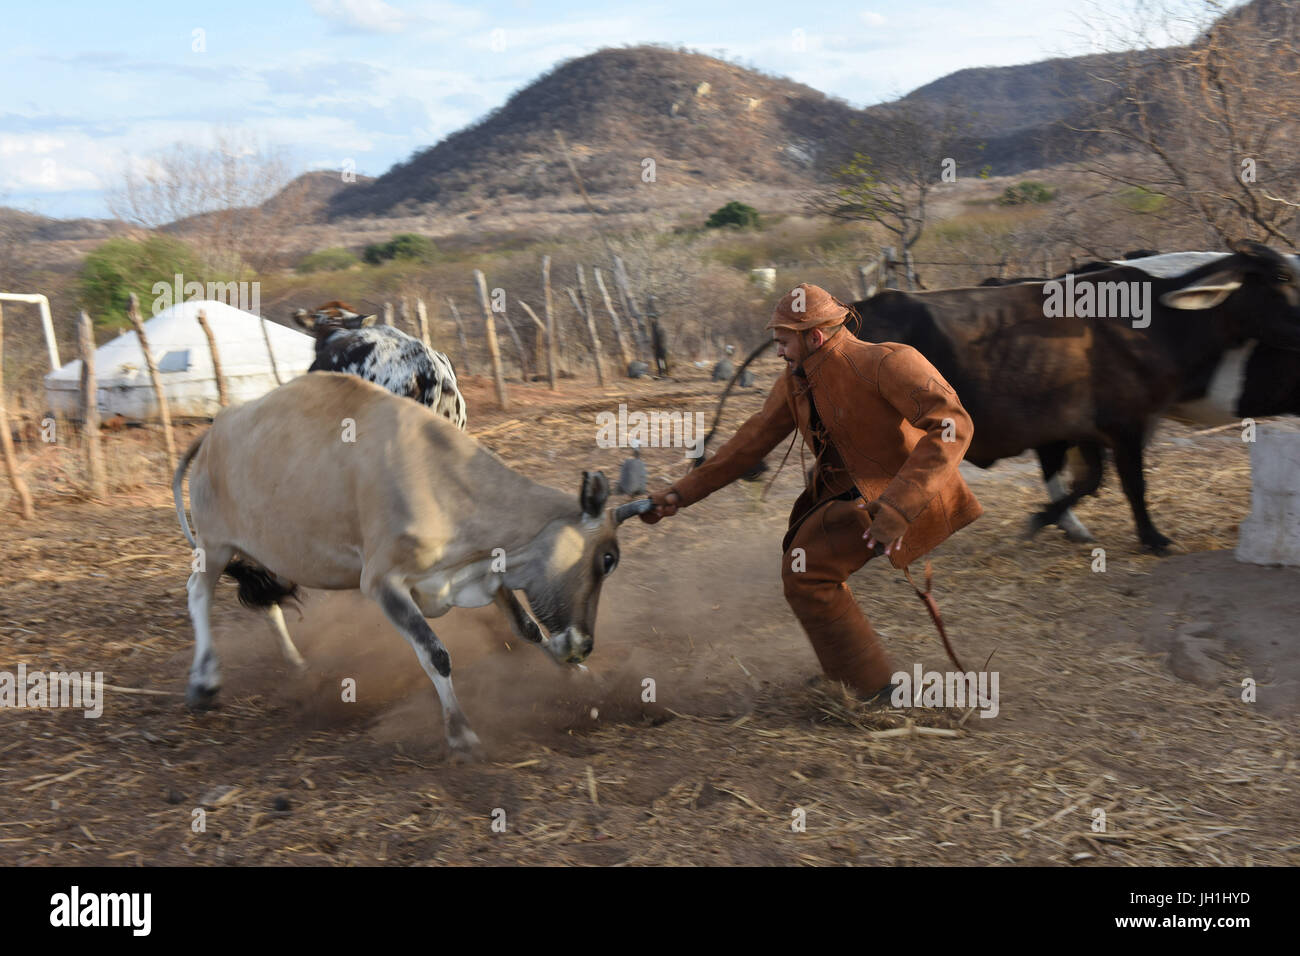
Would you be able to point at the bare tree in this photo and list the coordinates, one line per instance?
(1211, 127)
(228, 196)
(912, 146)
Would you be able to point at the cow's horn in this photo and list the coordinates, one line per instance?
(623, 512)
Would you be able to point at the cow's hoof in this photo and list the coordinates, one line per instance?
(1074, 529)
(465, 747)
(1156, 543)
(467, 755)
(1036, 523)
(201, 698)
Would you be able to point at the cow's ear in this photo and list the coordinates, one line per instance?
(594, 494)
(304, 320)
(368, 320)
(1205, 294)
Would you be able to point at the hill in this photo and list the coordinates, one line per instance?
(708, 122)
(700, 119)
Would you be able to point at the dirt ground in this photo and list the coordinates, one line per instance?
(1101, 754)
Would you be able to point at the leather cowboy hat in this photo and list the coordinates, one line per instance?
(808, 307)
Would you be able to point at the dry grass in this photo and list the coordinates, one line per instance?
(716, 769)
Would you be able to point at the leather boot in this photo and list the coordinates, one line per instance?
(850, 651)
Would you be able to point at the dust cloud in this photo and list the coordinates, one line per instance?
(699, 614)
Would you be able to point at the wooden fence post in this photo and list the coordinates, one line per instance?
(658, 339)
(223, 399)
(542, 342)
(890, 276)
(6, 440)
(422, 320)
(164, 413)
(588, 311)
(493, 350)
(591, 331)
(519, 345)
(90, 409)
(639, 326)
(550, 320)
(613, 318)
(460, 336)
(872, 275)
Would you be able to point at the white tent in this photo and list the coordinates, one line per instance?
(185, 364)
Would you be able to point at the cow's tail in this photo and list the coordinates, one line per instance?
(727, 391)
(258, 587)
(178, 482)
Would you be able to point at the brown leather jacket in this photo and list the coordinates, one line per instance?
(885, 410)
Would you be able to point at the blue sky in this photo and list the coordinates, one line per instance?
(90, 87)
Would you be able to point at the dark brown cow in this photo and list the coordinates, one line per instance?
(1034, 381)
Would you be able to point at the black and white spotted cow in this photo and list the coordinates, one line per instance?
(347, 341)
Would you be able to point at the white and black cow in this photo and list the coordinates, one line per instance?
(347, 341)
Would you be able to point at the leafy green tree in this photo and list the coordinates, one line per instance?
(1024, 193)
(736, 214)
(121, 266)
(406, 245)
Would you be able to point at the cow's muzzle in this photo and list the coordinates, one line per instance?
(570, 646)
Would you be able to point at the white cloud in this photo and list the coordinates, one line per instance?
(872, 19)
(371, 16)
(50, 163)
(428, 20)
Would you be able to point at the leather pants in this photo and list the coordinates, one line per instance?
(822, 548)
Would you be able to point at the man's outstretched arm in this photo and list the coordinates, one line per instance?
(762, 432)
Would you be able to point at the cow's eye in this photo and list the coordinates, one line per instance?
(611, 561)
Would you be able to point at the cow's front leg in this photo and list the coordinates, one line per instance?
(1051, 458)
(401, 609)
(1128, 462)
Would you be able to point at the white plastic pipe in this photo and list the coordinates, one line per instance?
(44, 303)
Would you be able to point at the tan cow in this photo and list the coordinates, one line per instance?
(332, 482)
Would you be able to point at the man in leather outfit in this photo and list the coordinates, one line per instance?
(888, 433)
